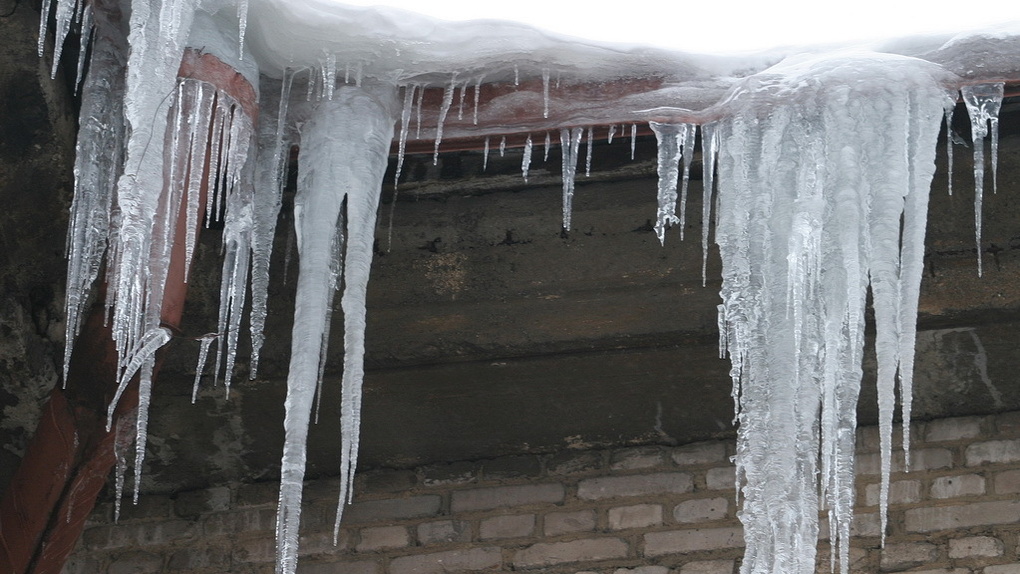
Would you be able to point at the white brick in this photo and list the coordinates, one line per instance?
(920, 459)
(500, 496)
(635, 485)
(636, 516)
(722, 478)
(550, 553)
(444, 562)
(643, 570)
(993, 451)
(444, 531)
(972, 546)
(700, 453)
(1002, 569)
(382, 537)
(863, 525)
(900, 492)
(954, 486)
(943, 571)
(958, 428)
(680, 541)
(636, 458)
(564, 522)
(507, 526)
(961, 516)
(708, 567)
(701, 509)
(907, 554)
(1007, 482)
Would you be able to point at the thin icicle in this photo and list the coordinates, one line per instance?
(329, 75)
(336, 264)
(545, 92)
(949, 146)
(242, 26)
(671, 138)
(570, 141)
(983, 102)
(517, 75)
(417, 125)
(203, 354)
(478, 93)
(633, 140)
(502, 146)
(83, 45)
(526, 159)
(709, 148)
(590, 145)
(612, 132)
(64, 18)
(405, 121)
(460, 101)
(485, 154)
(685, 180)
(548, 144)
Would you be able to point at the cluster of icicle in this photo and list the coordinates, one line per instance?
(824, 169)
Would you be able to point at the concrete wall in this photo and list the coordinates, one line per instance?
(646, 510)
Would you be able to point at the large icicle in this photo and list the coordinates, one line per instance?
(819, 161)
(344, 147)
(983, 102)
(570, 141)
(671, 139)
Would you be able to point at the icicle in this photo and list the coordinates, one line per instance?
(485, 154)
(671, 138)
(347, 72)
(612, 132)
(336, 264)
(478, 93)
(548, 144)
(242, 26)
(949, 146)
(517, 76)
(526, 159)
(344, 151)
(124, 437)
(329, 75)
(545, 93)
(64, 19)
(444, 110)
(502, 146)
(709, 148)
(588, 149)
(633, 140)
(460, 101)
(688, 158)
(405, 120)
(83, 45)
(359, 71)
(983, 102)
(802, 231)
(421, 98)
(203, 353)
(44, 25)
(570, 141)
(142, 422)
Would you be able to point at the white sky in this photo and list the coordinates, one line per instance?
(727, 26)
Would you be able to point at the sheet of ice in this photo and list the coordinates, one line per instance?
(819, 159)
(344, 146)
(983, 102)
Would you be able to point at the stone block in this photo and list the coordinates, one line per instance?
(720, 478)
(1007, 482)
(382, 538)
(511, 467)
(634, 485)
(506, 496)
(955, 486)
(637, 458)
(692, 540)
(952, 429)
(196, 502)
(557, 523)
(1002, 569)
(262, 549)
(585, 550)
(900, 492)
(993, 452)
(238, 521)
(362, 567)
(451, 474)
(930, 519)
(708, 567)
(257, 494)
(643, 570)
(635, 516)
(568, 462)
(136, 563)
(700, 453)
(396, 481)
(194, 557)
(975, 546)
(448, 562)
(443, 531)
(701, 509)
(907, 554)
(512, 526)
(388, 509)
(920, 459)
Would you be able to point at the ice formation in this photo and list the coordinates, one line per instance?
(816, 172)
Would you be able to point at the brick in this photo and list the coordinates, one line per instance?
(257, 494)
(443, 562)
(635, 516)
(636, 458)
(190, 504)
(680, 541)
(148, 507)
(957, 428)
(502, 496)
(136, 563)
(701, 509)
(565, 522)
(254, 550)
(1008, 424)
(444, 531)
(708, 567)
(1002, 569)
(975, 546)
(550, 553)
(450, 474)
(699, 453)
(511, 467)
(869, 439)
(643, 570)
(568, 462)
(954, 486)
(942, 571)
(961, 516)
(382, 538)
(869, 524)
(513, 526)
(389, 509)
(634, 485)
(920, 459)
(721, 478)
(907, 554)
(389, 481)
(900, 492)
(1007, 482)
(148, 534)
(238, 521)
(992, 451)
(311, 543)
(194, 557)
(363, 567)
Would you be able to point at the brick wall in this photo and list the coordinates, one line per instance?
(643, 510)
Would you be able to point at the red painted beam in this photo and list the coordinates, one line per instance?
(44, 509)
